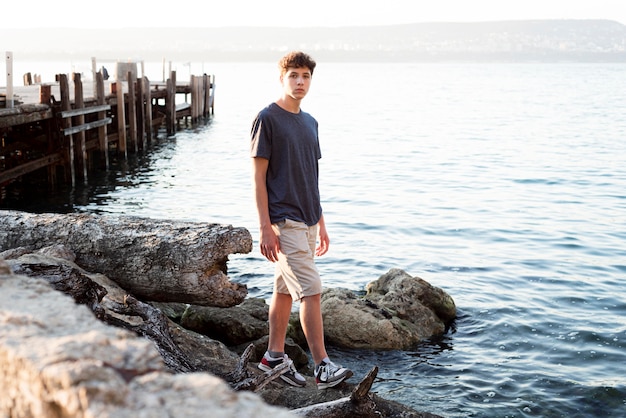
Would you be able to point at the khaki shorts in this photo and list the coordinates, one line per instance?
(296, 273)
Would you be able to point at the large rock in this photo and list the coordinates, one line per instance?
(407, 296)
(155, 260)
(233, 326)
(397, 312)
(58, 360)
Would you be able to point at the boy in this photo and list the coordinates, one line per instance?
(285, 151)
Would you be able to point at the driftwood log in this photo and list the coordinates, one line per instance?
(119, 309)
(154, 260)
(242, 379)
(359, 404)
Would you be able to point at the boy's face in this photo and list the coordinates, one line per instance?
(296, 82)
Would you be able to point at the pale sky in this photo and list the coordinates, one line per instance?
(289, 13)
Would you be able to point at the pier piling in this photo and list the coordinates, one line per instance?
(77, 125)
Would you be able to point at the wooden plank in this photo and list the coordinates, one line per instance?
(183, 110)
(84, 111)
(29, 167)
(15, 116)
(86, 126)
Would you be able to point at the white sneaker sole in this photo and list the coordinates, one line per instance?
(326, 385)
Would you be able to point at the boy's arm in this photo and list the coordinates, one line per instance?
(268, 241)
(324, 239)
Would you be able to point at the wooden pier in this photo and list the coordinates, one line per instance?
(56, 130)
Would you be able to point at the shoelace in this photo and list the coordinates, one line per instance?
(290, 363)
(330, 367)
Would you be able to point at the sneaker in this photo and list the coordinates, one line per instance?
(291, 376)
(328, 374)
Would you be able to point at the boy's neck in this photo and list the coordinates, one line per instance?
(289, 104)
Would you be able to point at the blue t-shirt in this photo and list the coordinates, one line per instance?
(291, 144)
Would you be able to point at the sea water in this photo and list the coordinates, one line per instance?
(503, 184)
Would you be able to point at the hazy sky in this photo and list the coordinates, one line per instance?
(126, 13)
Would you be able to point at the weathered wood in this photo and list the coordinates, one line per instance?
(84, 111)
(208, 95)
(68, 280)
(359, 404)
(79, 103)
(9, 72)
(148, 110)
(103, 140)
(170, 107)
(132, 109)
(197, 94)
(211, 96)
(140, 112)
(123, 311)
(154, 327)
(45, 94)
(30, 166)
(100, 109)
(135, 118)
(242, 379)
(86, 126)
(24, 114)
(66, 123)
(359, 394)
(121, 119)
(155, 260)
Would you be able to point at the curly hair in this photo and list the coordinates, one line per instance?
(296, 59)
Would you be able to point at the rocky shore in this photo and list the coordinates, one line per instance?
(104, 316)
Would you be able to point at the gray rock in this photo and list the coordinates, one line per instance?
(233, 326)
(398, 291)
(397, 312)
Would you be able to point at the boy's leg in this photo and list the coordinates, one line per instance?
(279, 312)
(327, 373)
(313, 326)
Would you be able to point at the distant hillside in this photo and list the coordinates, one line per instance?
(535, 40)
